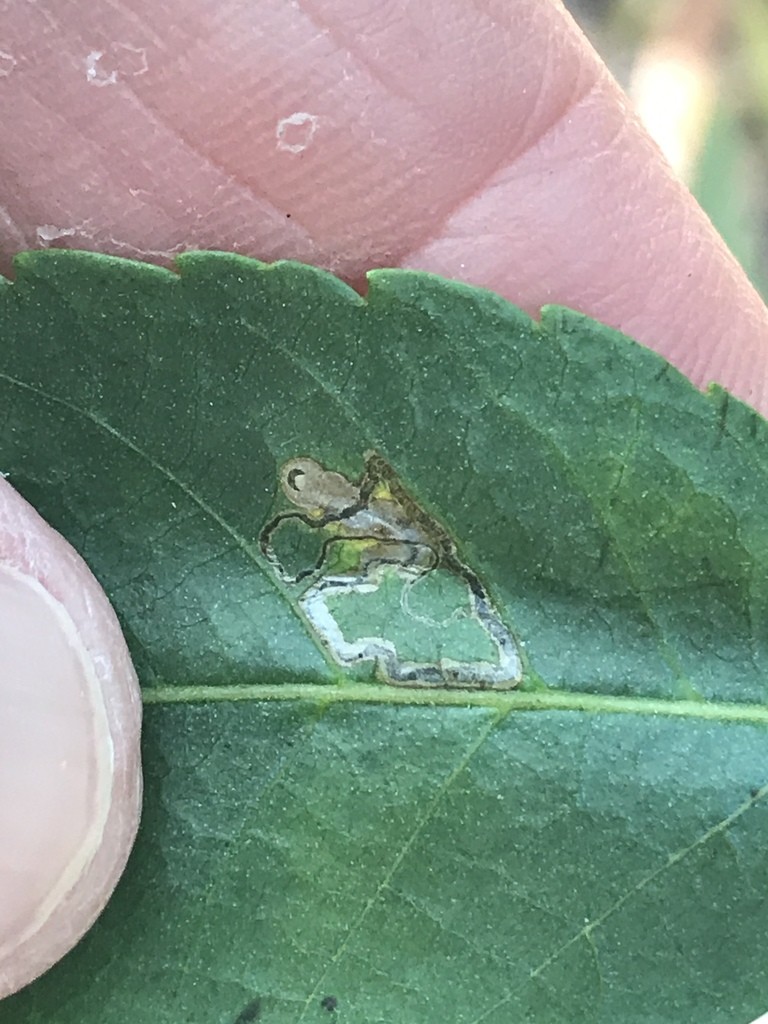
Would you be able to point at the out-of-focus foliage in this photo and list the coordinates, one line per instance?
(728, 44)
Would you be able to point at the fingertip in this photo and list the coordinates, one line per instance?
(70, 778)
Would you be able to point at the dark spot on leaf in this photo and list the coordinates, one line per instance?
(755, 792)
(329, 1003)
(294, 477)
(250, 1013)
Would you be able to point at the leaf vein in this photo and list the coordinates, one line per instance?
(405, 847)
(587, 932)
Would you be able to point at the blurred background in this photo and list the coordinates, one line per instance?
(697, 74)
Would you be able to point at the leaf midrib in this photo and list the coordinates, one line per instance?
(501, 702)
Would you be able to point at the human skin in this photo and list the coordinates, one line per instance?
(478, 139)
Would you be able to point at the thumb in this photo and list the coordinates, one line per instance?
(70, 779)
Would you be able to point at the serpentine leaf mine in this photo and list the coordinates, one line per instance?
(379, 579)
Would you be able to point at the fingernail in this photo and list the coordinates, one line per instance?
(55, 765)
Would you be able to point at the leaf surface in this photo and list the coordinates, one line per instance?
(318, 844)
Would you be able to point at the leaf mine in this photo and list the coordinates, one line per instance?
(380, 554)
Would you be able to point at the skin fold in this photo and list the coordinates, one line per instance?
(478, 139)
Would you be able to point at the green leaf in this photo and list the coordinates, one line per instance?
(589, 847)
